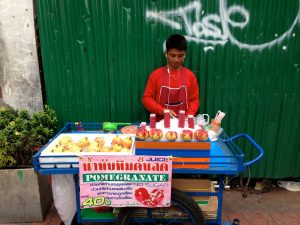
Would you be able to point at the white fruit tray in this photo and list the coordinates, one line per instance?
(49, 159)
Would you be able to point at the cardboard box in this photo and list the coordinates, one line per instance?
(208, 204)
(210, 210)
(194, 185)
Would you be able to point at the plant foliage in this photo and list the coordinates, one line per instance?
(21, 134)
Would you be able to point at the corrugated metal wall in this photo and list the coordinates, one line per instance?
(97, 56)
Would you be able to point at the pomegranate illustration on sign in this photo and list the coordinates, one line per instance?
(152, 199)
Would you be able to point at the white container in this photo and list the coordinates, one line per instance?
(70, 159)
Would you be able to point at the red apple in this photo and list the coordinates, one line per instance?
(116, 140)
(200, 135)
(156, 134)
(127, 142)
(171, 135)
(186, 135)
(142, 134)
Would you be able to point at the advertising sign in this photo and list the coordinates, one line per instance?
(120, 181)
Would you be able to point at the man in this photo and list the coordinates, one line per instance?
(173, 86)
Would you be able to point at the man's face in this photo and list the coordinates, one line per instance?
(175, 58)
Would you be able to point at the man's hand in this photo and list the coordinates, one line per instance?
(172, 113)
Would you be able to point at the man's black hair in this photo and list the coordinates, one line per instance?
(176, 41)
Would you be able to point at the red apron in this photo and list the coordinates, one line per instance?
(173, 98)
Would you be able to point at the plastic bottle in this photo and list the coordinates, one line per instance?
(191, 121)
(152, 121)
(167, 121)
(79, 126)
(181, 118)
(216, 122)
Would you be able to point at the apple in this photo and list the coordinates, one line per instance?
(171, 135)
(65, 140)
(142, 134)
(83, 142)
(200, 135)
(116, 148)
(125, 150)
(156, 134)
(93, 147)
(116, 140)
(75, 148)
(127, 142)
(186, 135)
(105, 149)
(94, 143)
(58, 148)
(100, 141)
(68, 146)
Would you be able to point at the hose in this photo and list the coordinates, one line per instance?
(244, 188)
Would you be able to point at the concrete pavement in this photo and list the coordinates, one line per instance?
(276, 207)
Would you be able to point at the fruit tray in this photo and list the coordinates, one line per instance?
(64, 151)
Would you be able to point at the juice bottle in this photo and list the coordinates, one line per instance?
(191, 121)
(181, 118)
(167, 121)
(152, 121)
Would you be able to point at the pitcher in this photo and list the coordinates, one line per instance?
(202, 119)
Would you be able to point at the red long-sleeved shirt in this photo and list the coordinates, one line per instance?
(151, 94)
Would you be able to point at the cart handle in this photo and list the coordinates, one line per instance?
(260, 150)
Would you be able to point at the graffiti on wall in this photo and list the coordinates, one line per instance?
(205, 29)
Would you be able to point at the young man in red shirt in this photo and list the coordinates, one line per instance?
(173, 86)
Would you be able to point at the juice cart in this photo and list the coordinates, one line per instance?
(220, 158)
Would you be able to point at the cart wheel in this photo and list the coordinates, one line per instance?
(183, 210)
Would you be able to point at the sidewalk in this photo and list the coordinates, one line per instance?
(277, 207)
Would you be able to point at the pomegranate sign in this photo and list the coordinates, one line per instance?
(120, 181)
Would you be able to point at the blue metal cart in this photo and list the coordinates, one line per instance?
(226, 159)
